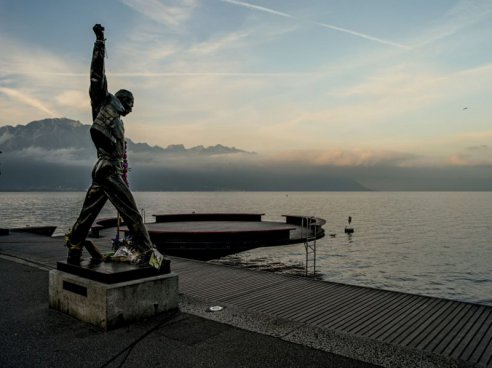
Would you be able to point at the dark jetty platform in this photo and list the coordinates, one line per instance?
(207, 236)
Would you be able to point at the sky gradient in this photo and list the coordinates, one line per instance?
(341, 83)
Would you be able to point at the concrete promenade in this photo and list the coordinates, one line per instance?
(381, 327)
(32, 335)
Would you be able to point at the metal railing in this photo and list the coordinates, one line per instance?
(308, 233)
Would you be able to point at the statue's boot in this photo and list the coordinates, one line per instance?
(74, 253)
(159, 261)
(74, 250)
(156, 259)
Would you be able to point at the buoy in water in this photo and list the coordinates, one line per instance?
(349, 229)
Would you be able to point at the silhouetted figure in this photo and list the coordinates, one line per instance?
(108, 134)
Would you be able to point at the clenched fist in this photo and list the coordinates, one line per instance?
(99, 32)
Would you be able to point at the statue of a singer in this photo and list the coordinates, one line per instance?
(108, 135)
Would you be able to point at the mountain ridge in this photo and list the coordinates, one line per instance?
(58, 154)
(65, 133)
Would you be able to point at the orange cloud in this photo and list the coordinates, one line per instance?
(339, 157)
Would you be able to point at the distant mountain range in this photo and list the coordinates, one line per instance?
(58, 154)
(63, 133)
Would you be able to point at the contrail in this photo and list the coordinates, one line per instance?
(29, 100)
(257, 7)
(324, 25)
(367, 37)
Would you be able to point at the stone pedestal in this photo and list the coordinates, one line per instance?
(110, 305)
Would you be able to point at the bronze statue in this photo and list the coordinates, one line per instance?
(108, 181)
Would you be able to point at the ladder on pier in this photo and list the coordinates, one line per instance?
(308, 233)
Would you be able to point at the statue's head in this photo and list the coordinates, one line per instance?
(126, 99)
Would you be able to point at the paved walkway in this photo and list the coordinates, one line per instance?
(381, 327)
(32, 335)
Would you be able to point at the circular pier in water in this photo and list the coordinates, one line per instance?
(213, 235)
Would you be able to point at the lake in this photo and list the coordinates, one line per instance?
(428, 243)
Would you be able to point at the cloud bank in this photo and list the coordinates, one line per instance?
(288, 88)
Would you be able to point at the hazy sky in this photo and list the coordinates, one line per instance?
(353, 82)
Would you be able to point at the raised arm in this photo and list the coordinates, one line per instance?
(99, 85)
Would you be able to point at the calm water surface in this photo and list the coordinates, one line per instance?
(436, 244)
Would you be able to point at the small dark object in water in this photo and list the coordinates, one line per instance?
(349, 229)
(333, 235)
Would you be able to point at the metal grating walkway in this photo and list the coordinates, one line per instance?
(462, 331)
